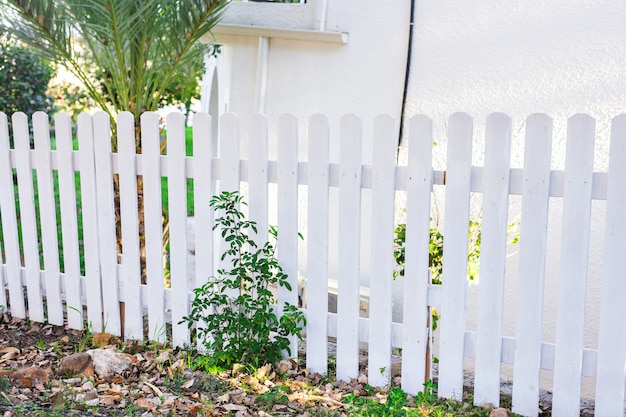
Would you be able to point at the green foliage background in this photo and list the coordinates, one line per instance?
(24, 79)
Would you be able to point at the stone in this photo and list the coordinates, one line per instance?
(107, 363)
(75, 364)
(500, 412)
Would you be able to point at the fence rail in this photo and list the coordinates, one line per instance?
(65, 199)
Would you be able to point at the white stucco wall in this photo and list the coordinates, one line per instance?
(518, 57)
(521, 57)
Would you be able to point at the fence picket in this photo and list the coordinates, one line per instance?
(350, 155)
(130, 274)
(288, 213)
(177, 205)
(415, 332)
(30, 240)
(153, 212)
(229, 144)
(574, 263)
(493, 258)
(317, 238)
(230, 175)
(204, 189)
(90, 221)
(532, 258)
(47, 214)
(9, 227)
(612, 342)
(383, 199)
(69, 220)
(106, 222)
(258, 176)
(459, 165)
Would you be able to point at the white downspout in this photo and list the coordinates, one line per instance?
(261, 74)
(320, 14)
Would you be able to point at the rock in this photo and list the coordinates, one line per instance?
(27, 377)
(108, 363)
(77, 363)
(500, 412)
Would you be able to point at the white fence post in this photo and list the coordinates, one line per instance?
(288, 213)
(153, 214)
(26, 193)
(9, 226)
(348, 271)
(459, 165)
(493, 258)
(258, 176)
(47, 216)
(415, 326)
(177, 205)
(130, 273)
(317, 238)
(203, 189)
(382, 262)
(612, 341)
(106, 222)
(578, 183)
(67, 172)
(90, 221)
(532, 260)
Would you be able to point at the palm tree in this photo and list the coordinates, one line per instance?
(125, 52)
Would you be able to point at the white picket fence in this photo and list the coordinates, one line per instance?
(111, 278)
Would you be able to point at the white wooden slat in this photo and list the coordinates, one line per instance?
(48, 219)
(415, 331)
(153, 212)
(8, 216)
(230, 174)
(349, 229)
(106, 222)
(177, 203)
(382, 261)
(574, 262)
(90, 221)
(130, 274)
(317, 245)
(257, 176)
(204, 189)
(415, 334)
(288, 213)
(612, 343)
(493, 259)
(532, 258)
(229, 152)
(69, 220)
(452, 323)
(30, 240)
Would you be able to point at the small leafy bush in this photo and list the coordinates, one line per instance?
(236, 312)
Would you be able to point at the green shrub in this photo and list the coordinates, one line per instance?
(24, 79)
(234, 313)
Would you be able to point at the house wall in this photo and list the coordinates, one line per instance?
(518, 57)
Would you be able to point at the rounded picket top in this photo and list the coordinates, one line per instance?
(318, 118)
(499, 117)
(19, 117)
(288, 121)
